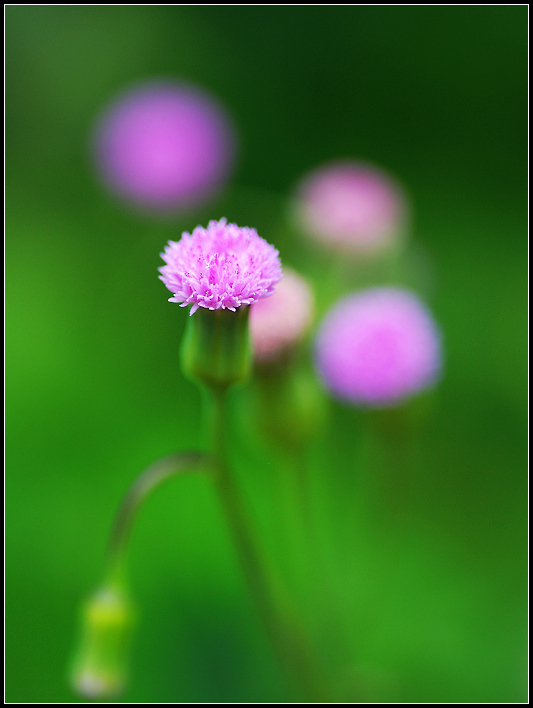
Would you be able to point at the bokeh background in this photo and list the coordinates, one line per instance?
(432, 602)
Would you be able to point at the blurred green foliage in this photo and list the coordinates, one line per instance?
(431, 597)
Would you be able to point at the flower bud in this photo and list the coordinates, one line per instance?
(164, 146)
(351, 207)
(216, 347)
(279, 322)
(377, 347)
(101, 664)
(290, 406)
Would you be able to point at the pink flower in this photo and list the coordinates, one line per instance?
(223, 266)
(164, 145)
(280, 321)
(378, 347)
(351, 206)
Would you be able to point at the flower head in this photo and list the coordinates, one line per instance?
(378, 347)
(351, 206)
(281, 320)
(164, 145)
(221, 267)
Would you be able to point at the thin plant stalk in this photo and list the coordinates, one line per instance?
(286, 635)
(146, 482)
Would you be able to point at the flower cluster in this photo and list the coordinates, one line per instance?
(221, 267)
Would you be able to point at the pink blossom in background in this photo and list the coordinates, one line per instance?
(164, 146)
(377, 347)
(352, 206)
(278, 322)
(223, 266)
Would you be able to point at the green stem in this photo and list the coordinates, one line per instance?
(291, 519)
(285, 634)
(146, 482)
(315, 571)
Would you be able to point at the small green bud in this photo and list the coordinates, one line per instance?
(216, 347)
(291, 407)
(101, 664)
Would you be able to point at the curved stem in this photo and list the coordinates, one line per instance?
(146, 482)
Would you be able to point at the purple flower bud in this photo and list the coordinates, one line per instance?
(278, 322)
(378, 347)
(351, 206)
(164, 146)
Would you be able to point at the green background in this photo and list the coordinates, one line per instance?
(432, 601)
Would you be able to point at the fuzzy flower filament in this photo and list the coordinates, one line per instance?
(220, 267)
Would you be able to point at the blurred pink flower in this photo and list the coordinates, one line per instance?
(281, 320)
(377, 347)
(351, 206)
(223, 266)
(164, 145)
